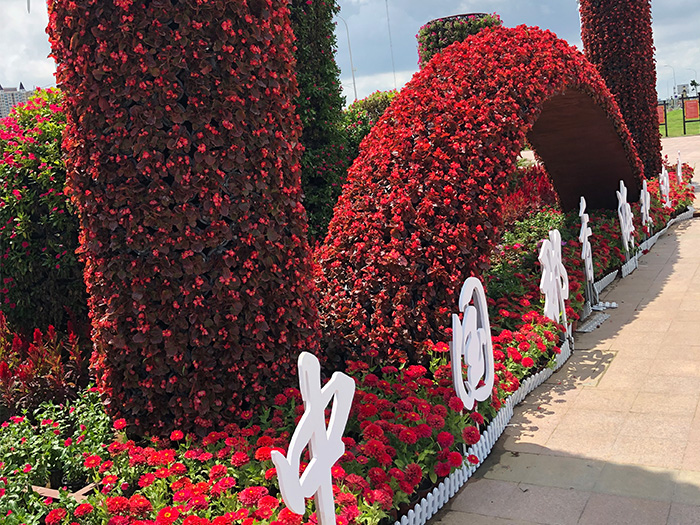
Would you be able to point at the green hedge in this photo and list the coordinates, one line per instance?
(319, 105)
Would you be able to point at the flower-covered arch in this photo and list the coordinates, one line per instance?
(421, 207)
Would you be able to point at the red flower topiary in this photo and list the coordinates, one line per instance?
(422, 204)
(183, 159)
(618, 39)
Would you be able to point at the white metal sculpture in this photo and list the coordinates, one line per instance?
(664, 187)
(679, 168)
(624, 212)
(325, 444)
(555, 281)
(645, 203)
(584, 234)
(472, 345)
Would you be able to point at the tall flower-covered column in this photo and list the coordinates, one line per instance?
(183, 159)
(618, 39)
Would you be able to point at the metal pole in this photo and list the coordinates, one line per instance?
(674, 77)
(391, 46)
(352, 67)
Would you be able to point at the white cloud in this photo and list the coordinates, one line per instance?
(368, 84)
(25, 45)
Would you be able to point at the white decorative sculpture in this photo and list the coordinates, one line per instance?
(679, 168)
(472, 345)
(584, 234)
(664, 187)
(325, 445)
(555, 281)
(645, 203)
(624, 212)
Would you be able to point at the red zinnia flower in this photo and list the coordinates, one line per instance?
(239, 459)
(117, 505)
(456, 404)
(445, 439)
(251, 495)
(167, 516)
(471, 435)
(454, 459)
(139, 505)
(146, 480)
(55, 516)
(92, 461)
(83, 509)
(442, 469)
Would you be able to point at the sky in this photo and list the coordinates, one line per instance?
(24, 46)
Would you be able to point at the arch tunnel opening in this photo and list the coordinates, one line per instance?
(582, 152)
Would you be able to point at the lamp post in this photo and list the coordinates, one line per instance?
(674, 77)
(352, 67)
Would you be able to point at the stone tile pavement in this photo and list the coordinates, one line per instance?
(614, 436)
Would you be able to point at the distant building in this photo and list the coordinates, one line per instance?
(10, 97)
(682, 89)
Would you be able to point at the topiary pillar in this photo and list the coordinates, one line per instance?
(618, 39)
(183, 159)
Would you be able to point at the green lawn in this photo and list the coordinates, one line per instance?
(675, 125)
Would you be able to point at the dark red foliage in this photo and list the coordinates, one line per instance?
(183, 159)
(618, 39)
(422, 205)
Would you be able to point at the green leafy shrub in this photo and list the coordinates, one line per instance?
(41, 279)
(437, 34)
(362, 115)
(319, 105)
(183, 158)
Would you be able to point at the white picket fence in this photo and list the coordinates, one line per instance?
(440, 495)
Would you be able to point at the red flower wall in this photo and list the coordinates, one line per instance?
(183, 159)
(618, 39)
(422, 204)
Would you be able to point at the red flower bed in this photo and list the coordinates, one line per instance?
(183, 159)
(421, 208)
(618, 39)
(405, 431)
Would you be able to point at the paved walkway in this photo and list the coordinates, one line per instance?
(613, 438)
